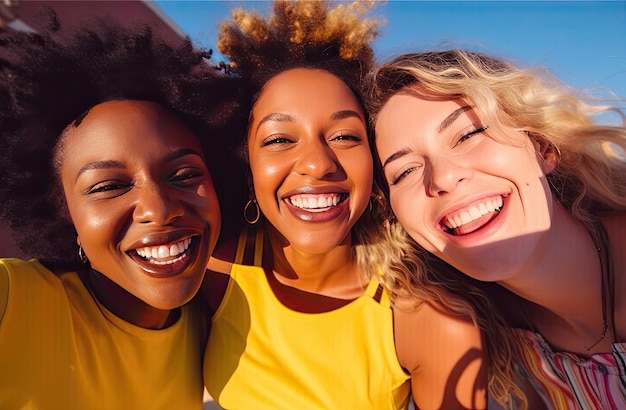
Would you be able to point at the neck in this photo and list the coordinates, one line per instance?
(332, 273)
(558, 276)
(125, 305)
(565, 286)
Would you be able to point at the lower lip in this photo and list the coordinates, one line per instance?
(328, 214)
(171, 269)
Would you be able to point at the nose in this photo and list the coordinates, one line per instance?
(445, 175)
(155, 204)
(316, 159)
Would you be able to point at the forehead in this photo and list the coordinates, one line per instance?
(130, 121)
(299, 88)
(124, 128)
(409, 109)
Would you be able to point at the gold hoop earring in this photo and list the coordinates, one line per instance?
(81, 255)
(256, 218)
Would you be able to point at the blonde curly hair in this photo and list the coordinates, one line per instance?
(589, 179)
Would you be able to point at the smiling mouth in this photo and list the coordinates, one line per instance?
(473, 217)
(316, 203)
(165, 254)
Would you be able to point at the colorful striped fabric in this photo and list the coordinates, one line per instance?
(566, 381)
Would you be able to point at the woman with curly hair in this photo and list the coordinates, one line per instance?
(297, 320)
(518, 185)
(106, 133)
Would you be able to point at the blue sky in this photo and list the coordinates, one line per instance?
(582, 42)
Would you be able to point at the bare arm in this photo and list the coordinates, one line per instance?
(445, 356)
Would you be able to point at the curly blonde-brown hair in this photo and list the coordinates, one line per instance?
(336, 38)
(311, 34)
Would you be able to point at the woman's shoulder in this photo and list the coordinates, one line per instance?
(424, 327)
(22, 267)
(19, 278)
(410, 311)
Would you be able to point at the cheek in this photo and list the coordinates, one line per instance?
(206, 202)
(97, 231)
(358, 164)
(411, 211)
(267, 176)
(408, 208)
(364, 177)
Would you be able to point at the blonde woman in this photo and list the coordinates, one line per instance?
(518, 185)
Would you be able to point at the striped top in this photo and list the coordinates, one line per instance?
(566, 381)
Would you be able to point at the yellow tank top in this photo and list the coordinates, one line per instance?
(60, 349)
(262, 355)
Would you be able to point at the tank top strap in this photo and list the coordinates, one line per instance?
(241, 246)
(257, 246)
(377, 292)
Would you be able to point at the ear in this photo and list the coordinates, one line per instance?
(250, 181)
(548, 154)
(551, 156)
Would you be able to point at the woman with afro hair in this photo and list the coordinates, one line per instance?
(106, 137)
(302, 314)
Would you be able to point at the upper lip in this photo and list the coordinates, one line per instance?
(466, 203)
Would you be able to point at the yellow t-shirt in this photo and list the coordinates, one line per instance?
(60, 349)
(262, 355)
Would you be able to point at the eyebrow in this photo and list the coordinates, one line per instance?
(274, 117)
(339, 115)
(444, 124)
(343, 114)
(395, 156)
(452, 117)
(111, 164)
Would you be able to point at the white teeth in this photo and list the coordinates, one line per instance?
(314, 201)
(465, 218)
(164, 251)
(472, 213)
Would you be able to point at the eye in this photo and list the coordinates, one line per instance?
(189, 176)
(397, 177)
(345, 139)
(466, 136)
(276, 139)
(110, 188)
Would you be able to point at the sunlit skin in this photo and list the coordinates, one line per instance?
(308, 139)
(144, 208)
(457, 184)
(440, 160)
(312, 173)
